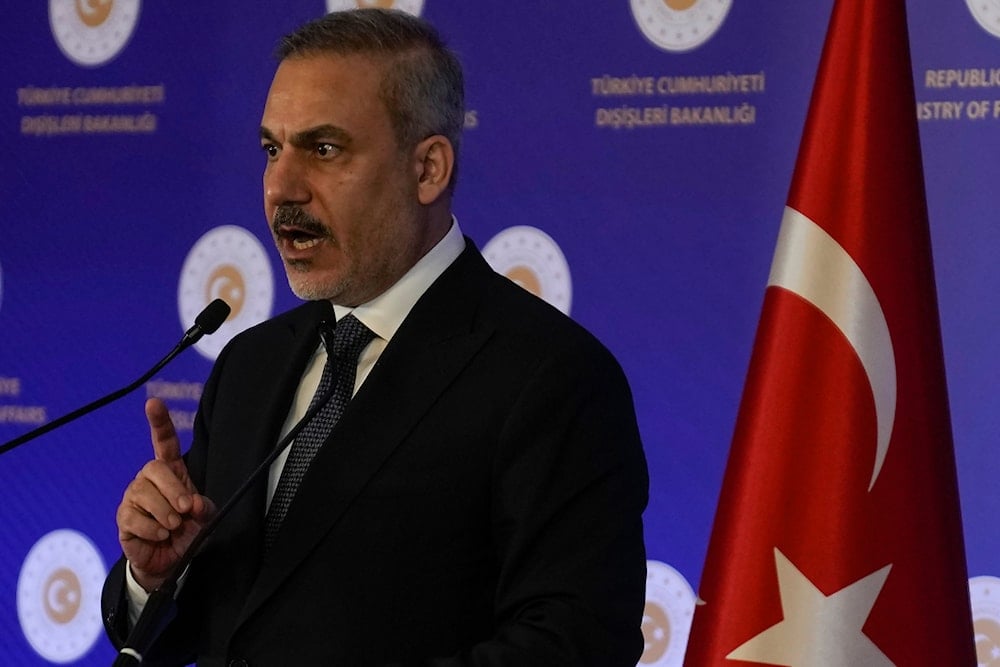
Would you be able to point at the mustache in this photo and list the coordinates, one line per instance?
(294, 216)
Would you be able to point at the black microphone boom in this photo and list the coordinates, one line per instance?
(160, 608)
(207, 322)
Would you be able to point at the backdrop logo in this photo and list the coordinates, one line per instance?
(58, 596)
(92, 32)
(409, 6)
(679, 25)
(985, 595)
(666, 620)
(530, 258)
(987, 14)
(227, 263)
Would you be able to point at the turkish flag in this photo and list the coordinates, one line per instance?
(838, 538)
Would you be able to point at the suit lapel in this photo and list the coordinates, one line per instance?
(271, 385)
(436, 341)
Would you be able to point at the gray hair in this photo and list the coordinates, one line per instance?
(422, 88)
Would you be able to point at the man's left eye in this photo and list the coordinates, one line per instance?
(325, 150)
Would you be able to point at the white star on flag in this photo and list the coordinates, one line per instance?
(818, 630)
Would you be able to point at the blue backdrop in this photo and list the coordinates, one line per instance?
(647, 144)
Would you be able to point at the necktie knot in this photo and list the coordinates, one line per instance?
(348, 339)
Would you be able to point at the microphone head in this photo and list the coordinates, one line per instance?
(212, 317)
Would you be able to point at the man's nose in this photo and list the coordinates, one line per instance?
(285, 182)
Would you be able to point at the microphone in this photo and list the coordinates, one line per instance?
(160, 608)
(207, 322)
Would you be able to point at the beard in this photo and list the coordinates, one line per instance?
(291, 223)
(311, 288)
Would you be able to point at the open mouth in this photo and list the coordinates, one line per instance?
(300, 239)
(297, 228)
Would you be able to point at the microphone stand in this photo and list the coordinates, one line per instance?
(210, 319)
(160, 608)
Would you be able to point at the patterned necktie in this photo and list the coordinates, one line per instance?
(348, 339)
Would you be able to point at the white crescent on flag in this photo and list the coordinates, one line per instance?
(810, 263)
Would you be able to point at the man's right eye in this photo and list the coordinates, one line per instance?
(271, 150)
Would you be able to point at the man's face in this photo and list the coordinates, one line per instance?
(340, 195)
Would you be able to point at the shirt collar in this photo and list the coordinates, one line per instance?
(385, 313)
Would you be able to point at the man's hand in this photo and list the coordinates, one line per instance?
(161, 511)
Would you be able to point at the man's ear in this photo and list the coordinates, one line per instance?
(435, 165)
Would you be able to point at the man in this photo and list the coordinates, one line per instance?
(479, 500)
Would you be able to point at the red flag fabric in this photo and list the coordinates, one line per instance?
(838, 540)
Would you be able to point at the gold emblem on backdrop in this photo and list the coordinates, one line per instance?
(92, 32)
(93, 12)
(61, 596)
(984, 593)
(226, 283)
(655, 632)
(228, 263)
(526, 278)
(666, 620)
(58, 596)
(679, 25)
(533, 260)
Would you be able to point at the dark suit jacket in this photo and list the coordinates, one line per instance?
(479, 503)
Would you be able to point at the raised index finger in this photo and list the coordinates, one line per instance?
(166, 444)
